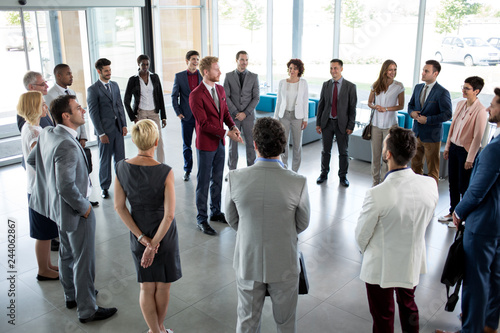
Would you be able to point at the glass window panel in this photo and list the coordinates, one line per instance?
(242, 26)
(472, 31)
(317, 43)
(372, 32)
(282, 39)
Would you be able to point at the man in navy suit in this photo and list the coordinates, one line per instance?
(480, 209)
(105, 107)
(184, 83)
(430, 107)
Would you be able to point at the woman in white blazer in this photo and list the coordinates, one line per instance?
(292, 109)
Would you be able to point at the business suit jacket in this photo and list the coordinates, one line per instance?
(134, 89)
(301, 103)
(242, 99)
(346, 105)
(180, 94)
(209, 122)
(52, 94)
(105, 109)
(268, 206)
(391, 229)
(62, 179)
(480, 206)
(437, 109)
(473, 129)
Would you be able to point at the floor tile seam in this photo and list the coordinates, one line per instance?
(334, 254)
(316, 306)
(192, 306)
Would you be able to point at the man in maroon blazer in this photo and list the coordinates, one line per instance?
(208, 104)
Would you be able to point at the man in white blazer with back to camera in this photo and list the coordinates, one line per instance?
(268, 206)
(390, 234)
(61, 193)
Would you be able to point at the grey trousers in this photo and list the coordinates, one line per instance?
(378, 136)
(151, 114)
(77, 265)
(292, 125)
(251, 296)
(245, 127)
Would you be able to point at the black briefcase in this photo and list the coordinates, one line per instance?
(454, 268)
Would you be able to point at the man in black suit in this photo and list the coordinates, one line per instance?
(106, 111)
(336, 115)
(184, 83)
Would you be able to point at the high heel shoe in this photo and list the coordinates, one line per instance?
(45, 278)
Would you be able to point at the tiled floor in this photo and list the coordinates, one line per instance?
(204, 300)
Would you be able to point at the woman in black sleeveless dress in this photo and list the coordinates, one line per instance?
(149, 187)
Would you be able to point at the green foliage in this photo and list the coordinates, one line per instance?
(352, 13)
(13, 18)
(225, 9)
(451, 14)
(252, 16)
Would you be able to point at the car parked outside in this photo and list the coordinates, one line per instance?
(495, 42)
(469, 50)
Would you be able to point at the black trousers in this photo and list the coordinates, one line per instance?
(327, 134)
(458, 176)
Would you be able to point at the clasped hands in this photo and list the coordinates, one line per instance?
(149, 252)
(418, 117)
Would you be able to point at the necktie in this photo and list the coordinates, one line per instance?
(108, 88)
(242, 78)
(66, 92)
(216, 99)
(422, 96)
(334, 100)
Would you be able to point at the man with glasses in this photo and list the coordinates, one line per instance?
(34, 81)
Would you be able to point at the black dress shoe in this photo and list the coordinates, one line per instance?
(344, 182)
(207, 229)
(46, 278)
(218, 218)
(321, 179)
(94, 203)
(105, 194)
(54, 245)
(186, 176)
(100, 314)
(72, 304)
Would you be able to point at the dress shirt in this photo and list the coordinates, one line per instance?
(385, 99)
(147, 101)
(241, 76)
(460, 121)
(270, 160)
(339, 85)
(192, 79)
(62, 91)
(394, 170)
(497, 132)
(291, 95)
(74, 134)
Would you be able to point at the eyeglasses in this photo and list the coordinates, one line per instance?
(43, 84)
(466, 88)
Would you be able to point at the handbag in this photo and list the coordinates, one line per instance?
(303, 281)
(367, 131)
(454, 268)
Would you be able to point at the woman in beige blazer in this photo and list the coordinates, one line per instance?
(292, 109)
(464, 139)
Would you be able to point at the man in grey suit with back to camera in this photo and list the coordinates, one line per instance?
(243, 95)
(106, 111)
(61, 192)
(336, 116)
(268, 206)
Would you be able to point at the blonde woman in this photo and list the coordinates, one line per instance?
(149, 187)
(292, 109)
(386, 98)
(32, 107)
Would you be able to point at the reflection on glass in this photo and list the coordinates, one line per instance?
(243, 27)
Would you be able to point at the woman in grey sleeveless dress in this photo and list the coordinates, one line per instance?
(149, 187)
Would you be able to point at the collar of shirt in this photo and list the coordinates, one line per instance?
(104, 83)
(149, 74)
(394, 170)
(339, 81)
(244, 72)
(430, 86)
(195, 72)
(497, 132)
(209, 88)
(70, 130)
(62, 91)
(269, 160)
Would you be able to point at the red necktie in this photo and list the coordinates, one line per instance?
(334, 100)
